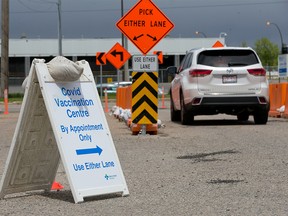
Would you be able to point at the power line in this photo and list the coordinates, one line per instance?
(163, 8)
(228, 5)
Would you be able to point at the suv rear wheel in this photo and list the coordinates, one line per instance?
(261, 116)
(186, 117)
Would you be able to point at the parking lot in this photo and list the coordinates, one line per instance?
(218, 166)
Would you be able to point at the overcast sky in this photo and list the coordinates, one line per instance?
(243, 20)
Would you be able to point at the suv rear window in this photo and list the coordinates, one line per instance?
(227, 58)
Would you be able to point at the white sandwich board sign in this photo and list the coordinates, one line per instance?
(67, 123)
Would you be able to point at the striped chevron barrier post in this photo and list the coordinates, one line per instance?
(144, 102)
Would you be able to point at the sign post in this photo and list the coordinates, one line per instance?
(144, 91)
(145, 25)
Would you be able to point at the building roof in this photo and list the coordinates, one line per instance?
(89, 47)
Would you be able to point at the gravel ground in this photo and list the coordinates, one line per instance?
(216, 167)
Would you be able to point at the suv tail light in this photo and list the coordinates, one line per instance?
(199, 72)
(257, 72)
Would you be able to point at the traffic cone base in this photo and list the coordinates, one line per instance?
(57, 186)
(150, 129)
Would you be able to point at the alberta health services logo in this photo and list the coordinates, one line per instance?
(110, 177)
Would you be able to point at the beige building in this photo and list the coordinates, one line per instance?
(23, 51)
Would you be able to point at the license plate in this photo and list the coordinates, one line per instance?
(229, 79)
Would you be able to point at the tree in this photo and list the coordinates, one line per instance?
(267, 52)
(244, 44)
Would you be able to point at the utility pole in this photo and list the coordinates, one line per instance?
(5, 48)
(59, 28)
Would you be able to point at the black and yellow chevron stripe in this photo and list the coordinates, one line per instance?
(144, 97)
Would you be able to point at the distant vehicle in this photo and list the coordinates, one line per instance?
(160, 91)
(109, 87)
(228, 80)
(123, 83)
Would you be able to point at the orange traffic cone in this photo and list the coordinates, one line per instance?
(6, 102)
(57, 186)
(106, 102)
(163, 99)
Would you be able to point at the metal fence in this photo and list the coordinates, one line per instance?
(163, 78)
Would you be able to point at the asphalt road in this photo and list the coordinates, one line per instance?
(216, 167)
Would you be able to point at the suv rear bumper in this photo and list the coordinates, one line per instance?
(228, 105)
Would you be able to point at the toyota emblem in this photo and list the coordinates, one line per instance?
(230, 70)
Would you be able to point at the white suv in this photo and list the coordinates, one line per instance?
(228, 80)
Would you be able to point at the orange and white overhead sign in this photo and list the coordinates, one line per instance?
(145, 25)
(118, 55)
